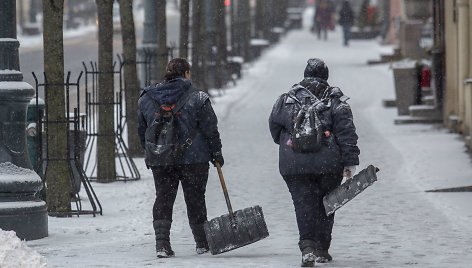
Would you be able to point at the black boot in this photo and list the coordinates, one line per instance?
(322, 256)
(308, 257)
(308, 253)
(200, 238)
(162, 231)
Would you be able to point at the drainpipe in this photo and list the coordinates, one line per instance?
(463, 70)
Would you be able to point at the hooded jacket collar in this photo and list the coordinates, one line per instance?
(319, 87)
(169, 92)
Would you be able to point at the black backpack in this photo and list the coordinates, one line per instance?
(307, 133)
(163, 146)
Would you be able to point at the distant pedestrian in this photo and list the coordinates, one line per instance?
(346, 20)
(312, 173)
(197, 131)
(322, 19)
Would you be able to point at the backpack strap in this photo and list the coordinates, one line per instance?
(183, 100)
(157, 104)
(179, 106)
(291, 94)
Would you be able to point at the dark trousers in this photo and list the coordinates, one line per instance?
(346, 33)
(194, 180)
(322, 30)
(307, 193)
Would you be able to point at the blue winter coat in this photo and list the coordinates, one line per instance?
(339, 143)
(196, 117)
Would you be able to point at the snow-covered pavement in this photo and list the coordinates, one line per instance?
(394, 223)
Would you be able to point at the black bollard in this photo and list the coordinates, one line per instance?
(20, 210)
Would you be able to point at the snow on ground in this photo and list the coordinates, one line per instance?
(14, 253)
(394, 223)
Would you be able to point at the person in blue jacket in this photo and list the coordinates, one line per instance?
(197, 126)
(311, 175)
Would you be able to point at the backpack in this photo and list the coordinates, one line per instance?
(163, 146)
(307, 133)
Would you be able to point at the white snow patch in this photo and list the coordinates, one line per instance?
(22, 204)
(7, 39)
(14, 85)
(9, 72)
(14, 253)
(11, 173)
(40, 101)
(259, 42)
(404, 64)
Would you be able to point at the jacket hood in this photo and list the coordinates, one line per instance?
(316, 68)
(319, 87)
(169, 92)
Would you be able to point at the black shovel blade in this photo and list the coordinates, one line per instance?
(246, 227)
(350, 189)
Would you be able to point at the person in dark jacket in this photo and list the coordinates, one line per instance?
(310, 176)
(322, 18)
(197, 126)
(346, 20)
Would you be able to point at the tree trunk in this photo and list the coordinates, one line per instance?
(280, 11)
(130, 76)
(235, 37)
(161, 39)
(197, 73)
(262, 19)
(269, 17)
(259, 19)
(184, 28)
(106, 130)
(244, 14)
(221, 44)
(57, 174)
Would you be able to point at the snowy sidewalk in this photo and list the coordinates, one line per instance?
(394, 223)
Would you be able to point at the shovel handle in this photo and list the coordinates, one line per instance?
(225, 191)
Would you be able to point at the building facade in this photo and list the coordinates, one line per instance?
(457, 44)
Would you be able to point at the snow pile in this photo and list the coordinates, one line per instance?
(8, 168)
(14, 253)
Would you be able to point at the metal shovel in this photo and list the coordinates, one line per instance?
(350, 189)
(236, 229)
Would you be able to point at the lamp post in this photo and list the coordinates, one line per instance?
(147, 51)
(20, 210)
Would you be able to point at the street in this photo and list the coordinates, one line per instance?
(394, 223)
(84, 48)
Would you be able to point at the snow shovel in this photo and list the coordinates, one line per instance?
(349, 189)
(236, 229)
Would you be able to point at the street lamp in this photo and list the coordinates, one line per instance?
(20, 210)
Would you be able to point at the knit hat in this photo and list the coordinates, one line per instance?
(316, 68)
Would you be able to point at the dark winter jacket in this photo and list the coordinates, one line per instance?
(323, 14)
(346, 15)
(196, 117)
(340, 142)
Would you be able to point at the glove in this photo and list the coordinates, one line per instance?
(349, 171)
(217, 157)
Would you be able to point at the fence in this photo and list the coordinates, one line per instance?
(74, 157)
(127, 168)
